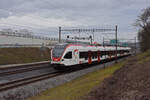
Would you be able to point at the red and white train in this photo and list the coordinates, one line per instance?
(65, 55)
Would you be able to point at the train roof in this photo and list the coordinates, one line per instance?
(90, 45)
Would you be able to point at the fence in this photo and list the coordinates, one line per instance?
(14, 34)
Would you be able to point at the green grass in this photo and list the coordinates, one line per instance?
(22, 55)
(79, 87)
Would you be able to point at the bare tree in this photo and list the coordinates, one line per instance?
(143, 22)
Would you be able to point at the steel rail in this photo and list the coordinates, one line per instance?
(25, 81)
(21, 70)
(21, 65)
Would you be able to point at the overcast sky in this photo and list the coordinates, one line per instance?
(43, 14)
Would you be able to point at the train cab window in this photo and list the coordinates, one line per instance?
(68, 55)
(58, 50)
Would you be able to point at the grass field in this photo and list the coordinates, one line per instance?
(23, 55)
(79, 87)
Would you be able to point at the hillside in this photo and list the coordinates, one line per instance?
(23, 55)
(131, 82)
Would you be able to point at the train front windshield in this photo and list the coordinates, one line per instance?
(58, 50)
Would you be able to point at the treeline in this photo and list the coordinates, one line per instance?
(143, 22)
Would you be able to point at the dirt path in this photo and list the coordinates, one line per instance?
(131, 82)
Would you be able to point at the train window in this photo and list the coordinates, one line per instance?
(86, 55)
(119, 51)
(114, 53)
(102, 53)
(86, 58)
(106, 52)
(110, 52)
(68, 55)
(83, 55)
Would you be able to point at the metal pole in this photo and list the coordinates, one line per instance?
(116, 41)
(93, 35)
(90, 38)
(135, 46)
(103, 41)
(59, 34)
(79, 32)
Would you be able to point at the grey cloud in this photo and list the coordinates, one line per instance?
(4, 13)
(121, 12)
(67, 8)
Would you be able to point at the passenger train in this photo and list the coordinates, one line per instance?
(65, 55)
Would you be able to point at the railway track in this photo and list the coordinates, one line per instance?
(19, 66)
(21, 69)
(24, 81)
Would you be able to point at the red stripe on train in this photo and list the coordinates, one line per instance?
(56, 59)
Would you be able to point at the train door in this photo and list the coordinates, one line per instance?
(68, 58)
(98, 56)
(122, 52)
(89, 57)
(110, 54)
(75, 56)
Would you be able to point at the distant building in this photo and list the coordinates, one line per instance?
(25, 31)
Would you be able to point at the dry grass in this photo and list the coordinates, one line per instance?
(79, 87)
(144, 57)
(23, 55)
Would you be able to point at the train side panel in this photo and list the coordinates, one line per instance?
(78, 54)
